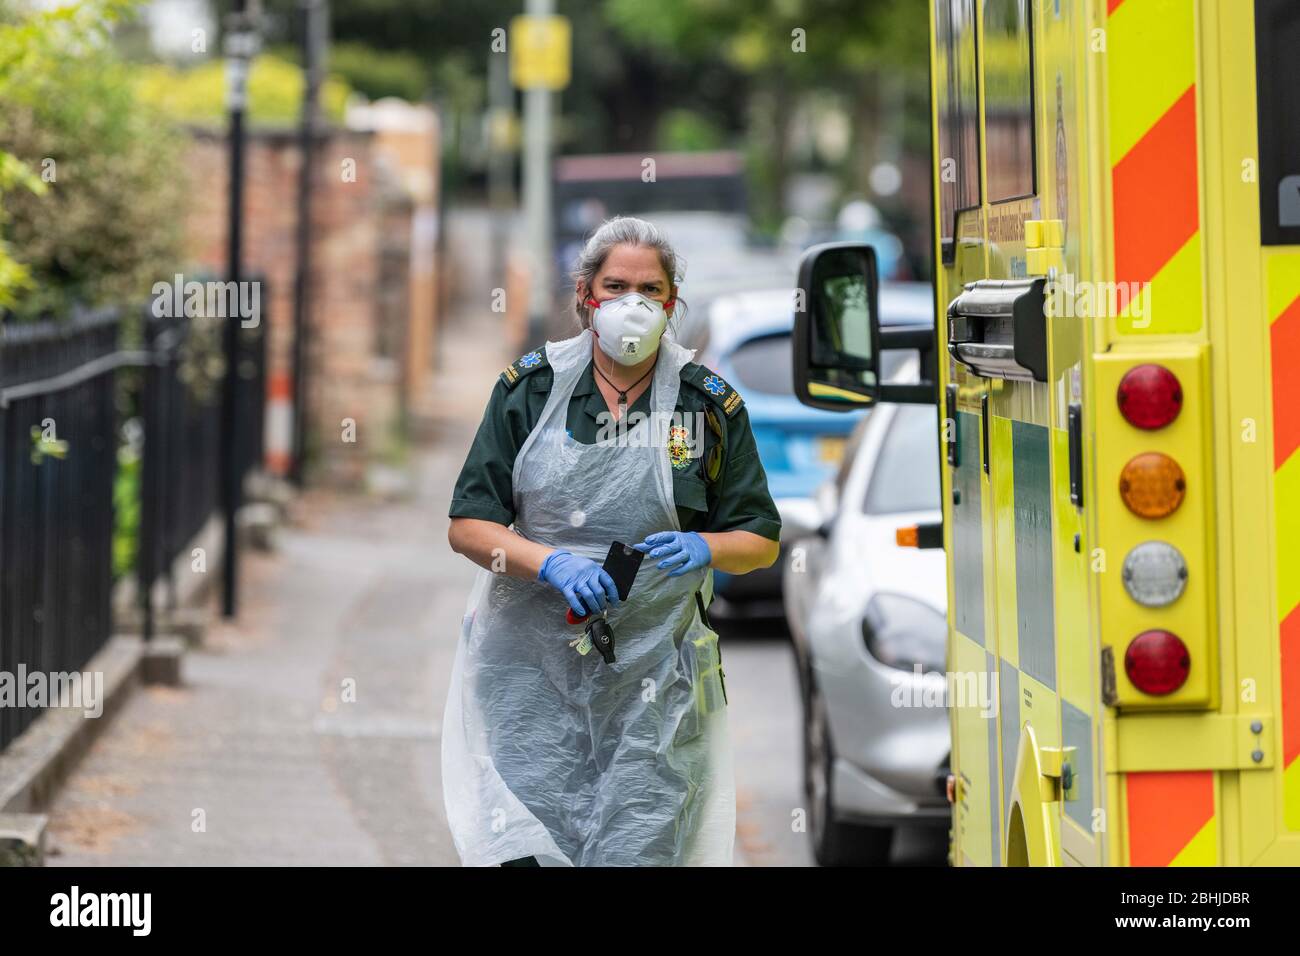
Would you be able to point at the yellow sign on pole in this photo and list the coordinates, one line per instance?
(540, 52)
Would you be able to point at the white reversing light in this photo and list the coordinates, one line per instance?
(1155, 574)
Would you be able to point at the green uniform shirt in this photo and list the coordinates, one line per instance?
(735, 499)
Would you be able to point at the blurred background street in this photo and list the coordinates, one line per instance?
(248, 533)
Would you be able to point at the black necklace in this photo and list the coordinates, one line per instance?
(622, 392)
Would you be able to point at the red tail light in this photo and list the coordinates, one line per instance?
(1157, 662)
(1149, 396)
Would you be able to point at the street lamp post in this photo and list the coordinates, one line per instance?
(241, 45)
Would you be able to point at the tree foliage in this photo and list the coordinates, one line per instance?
(810, 42)
(29, 43)
(378, 74)
(90, 177)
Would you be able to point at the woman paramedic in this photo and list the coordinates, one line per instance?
(550, 755)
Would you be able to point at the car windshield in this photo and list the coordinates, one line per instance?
(846, 459)
(765, 365)
(906, 476)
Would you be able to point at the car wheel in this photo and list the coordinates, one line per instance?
(835, 843)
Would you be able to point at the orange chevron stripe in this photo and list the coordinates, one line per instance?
(1284, 346)
(1290, 687)
(1165, 811)
(1155, 192)
(1284, 334)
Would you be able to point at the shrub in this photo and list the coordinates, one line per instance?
(108, 220)
(198, 95)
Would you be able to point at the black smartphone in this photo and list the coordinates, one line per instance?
(621, 564)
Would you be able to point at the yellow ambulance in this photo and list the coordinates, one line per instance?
(1117, 364)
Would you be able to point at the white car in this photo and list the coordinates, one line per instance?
(867, 618)
(748, 344)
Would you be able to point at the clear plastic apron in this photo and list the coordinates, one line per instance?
(552, 754)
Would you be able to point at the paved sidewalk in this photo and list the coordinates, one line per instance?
(258, 759)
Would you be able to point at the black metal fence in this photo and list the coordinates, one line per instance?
(58, 453)
(181, 412)
(61, 407)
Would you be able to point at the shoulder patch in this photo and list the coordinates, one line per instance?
(715, 387)
(528, 362)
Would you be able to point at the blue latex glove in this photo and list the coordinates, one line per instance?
(584, 583)
(680, 550)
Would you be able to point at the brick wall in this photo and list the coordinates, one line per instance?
(347, 378)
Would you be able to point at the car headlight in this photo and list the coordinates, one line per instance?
(903, 632)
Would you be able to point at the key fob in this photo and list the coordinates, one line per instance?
(602, 638)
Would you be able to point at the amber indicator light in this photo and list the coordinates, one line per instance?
(1152, 485)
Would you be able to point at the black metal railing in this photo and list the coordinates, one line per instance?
(62, 400)
(58, 454)
(181, 411)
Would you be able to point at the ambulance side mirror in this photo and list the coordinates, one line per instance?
(839, 336)
(836, 327)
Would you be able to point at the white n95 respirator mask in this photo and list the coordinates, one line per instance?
(629, 328)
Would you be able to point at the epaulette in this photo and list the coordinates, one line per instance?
(713, 385)
(528, 362)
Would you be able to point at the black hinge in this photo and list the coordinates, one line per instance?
(1109, 689)
(1076, 454)
(950, 424)
(985, 425)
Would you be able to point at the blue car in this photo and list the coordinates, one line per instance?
(746, 340)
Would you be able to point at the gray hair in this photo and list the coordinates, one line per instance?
(621, 230)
